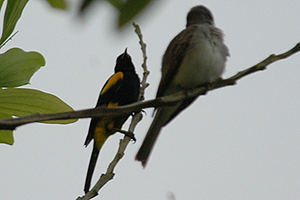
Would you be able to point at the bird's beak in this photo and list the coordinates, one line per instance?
(125, 53)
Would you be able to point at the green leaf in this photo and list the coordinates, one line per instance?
(88, 3)
(130, 9)
(61, 4)
(84, 5)
(1, 2)
(13, 12)
(6, 136)
(17, 67)
(20, 102)
(116, 3)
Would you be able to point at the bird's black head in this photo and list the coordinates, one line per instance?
(199, 15)
(124, 62)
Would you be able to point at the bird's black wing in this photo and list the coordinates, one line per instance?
(107, 94)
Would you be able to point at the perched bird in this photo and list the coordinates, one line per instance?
(120, 89)
(195, 57)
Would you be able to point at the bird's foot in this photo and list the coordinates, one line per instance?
(207, 86)
(127, 133)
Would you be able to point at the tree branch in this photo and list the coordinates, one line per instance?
(11, 124)
(258, 67)
(146, 73)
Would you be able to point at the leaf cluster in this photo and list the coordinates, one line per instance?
(16, 69)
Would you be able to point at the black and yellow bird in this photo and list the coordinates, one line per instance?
(120, 89)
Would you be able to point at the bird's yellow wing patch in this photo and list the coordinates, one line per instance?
(112, 81)
(111, 104)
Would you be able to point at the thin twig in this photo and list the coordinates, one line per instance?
(146, 73)
(258, 67)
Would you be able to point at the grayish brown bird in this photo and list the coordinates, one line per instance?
(195, 57)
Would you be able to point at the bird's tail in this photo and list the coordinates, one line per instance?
(91, 169)
(149, 141)
(99, 140)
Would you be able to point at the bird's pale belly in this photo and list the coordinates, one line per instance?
(195, 71)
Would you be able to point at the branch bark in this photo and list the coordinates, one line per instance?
(11, 124)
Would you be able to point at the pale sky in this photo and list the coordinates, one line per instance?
(239, 142)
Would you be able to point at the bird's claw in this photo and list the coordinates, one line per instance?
(127, 133)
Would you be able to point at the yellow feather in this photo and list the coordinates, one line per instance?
(112, 81)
